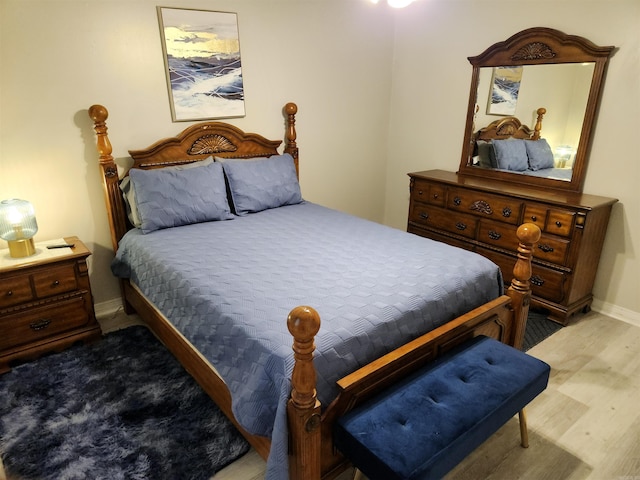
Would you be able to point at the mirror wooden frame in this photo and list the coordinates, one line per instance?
(539, 46)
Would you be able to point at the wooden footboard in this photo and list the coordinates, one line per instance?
(312, 455)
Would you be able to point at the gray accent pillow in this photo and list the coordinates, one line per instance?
(539, 154)
(173, 197)
(129, 192)
(262, 183)
(511, 154)
(486, 156)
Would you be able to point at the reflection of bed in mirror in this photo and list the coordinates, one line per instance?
(508, 145)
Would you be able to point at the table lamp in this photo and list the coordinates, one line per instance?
(18, 226)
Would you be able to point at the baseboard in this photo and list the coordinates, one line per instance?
(108, 308)
(619, 313)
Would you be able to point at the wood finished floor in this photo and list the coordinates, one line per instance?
(586, 425)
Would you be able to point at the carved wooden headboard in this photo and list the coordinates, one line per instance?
(511, 127)
(195, 143)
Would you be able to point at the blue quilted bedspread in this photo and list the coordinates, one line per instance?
(228, 287)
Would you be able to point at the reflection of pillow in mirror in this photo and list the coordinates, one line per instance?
(510, 154)
(539, 154)
(486, 157)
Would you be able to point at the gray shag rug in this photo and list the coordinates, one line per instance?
(538, 328)
(121, 408)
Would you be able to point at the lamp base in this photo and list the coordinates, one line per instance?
(22, 248)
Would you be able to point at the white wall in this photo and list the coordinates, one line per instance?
(372, 106)
(429, 97)
(60, 57)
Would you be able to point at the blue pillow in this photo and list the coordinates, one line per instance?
(262, 183)
(539, 154)
(172, 197)
(511, 154)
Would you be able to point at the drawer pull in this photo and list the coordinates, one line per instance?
(545, 248)
(40, 325)
(506, 212)
(536, 280)
(435, 196)
(9, 293)
(424, 215)
(534, 218)
(493, 235)
(461, 226)
(55, 283)
(457, 201)
(419, 192)
(558, 224)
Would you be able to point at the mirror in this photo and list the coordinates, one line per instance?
(542, 86)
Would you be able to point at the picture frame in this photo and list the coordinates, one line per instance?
(201, 50)
(504, 90)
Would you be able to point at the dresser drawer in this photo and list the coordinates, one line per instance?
(434, 217)
(15, 290)
(545, 282)
(54, 281)
(499, 208)
(553, 250)
(427, 192)
(38, 323)
(498, 234)
(554, 221)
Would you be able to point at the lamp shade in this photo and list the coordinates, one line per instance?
(18, 226)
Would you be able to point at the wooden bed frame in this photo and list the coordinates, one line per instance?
(511, 127)
(311, 452)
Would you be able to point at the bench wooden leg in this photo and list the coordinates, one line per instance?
(524, 434)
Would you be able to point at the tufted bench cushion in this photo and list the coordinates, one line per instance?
(425, 425)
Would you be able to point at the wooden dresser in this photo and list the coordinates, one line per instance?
(483, 215)
(45, 302)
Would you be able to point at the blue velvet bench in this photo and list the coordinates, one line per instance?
(424, 426)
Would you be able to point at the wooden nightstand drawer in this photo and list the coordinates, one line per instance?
(15, 290)
(23, 328)
(503, 209)
(56, 280)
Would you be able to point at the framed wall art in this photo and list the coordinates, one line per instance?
(505, 87)
(202, 61)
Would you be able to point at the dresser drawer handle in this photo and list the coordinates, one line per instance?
(9, 293)
(558, 224)
(55, 283)
(419, 192)
(457, 201)
(536, 280)
(40, 325)
(545, 248)
(424, 215)
(435, 196)
(493, 235)
(461, 226)
(534, 218)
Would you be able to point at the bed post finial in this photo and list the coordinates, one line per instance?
(520, 289)
(290, 145)
(538, 128)
(303, 407)
(113, 199)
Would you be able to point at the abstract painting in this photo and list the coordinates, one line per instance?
(505, 86)
(202, 61)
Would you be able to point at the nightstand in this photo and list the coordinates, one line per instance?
(45, 302)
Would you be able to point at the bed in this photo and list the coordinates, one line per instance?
(219, 253)
(508, 145)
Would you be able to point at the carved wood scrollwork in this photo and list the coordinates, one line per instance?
(482, 207)
(534, 51)
(111, 172)
(211, 144)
